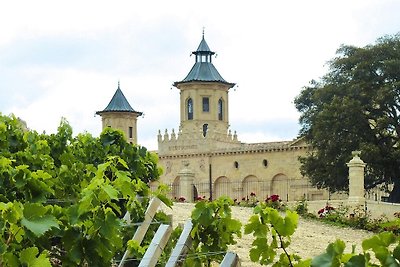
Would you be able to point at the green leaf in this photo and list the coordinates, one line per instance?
(28, 255)
(356, 261)
(303, 263)
(396, 252)
(38, 223)
(111, 191)
(41, 261)
(332, 256)
(11, 260)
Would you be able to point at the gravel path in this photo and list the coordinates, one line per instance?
(310, 239)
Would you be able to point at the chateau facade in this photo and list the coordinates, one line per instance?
(205, 158)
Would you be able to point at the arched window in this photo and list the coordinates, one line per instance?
(190, 109)
(220, 110)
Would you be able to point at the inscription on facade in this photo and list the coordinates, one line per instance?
(182, 147)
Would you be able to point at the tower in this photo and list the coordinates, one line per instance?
(120, 115)
(204, 113)
(204, 96)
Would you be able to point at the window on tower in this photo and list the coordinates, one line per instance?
(206, 104)
(130, 132)
(220, 110)
(190, 109)
(205, 129)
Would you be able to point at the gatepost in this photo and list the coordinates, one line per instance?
(186, 182)
(356, 180)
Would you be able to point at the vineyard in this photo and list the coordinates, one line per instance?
(76, 201)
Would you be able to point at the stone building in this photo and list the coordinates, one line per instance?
(210, 156)
(204, 157)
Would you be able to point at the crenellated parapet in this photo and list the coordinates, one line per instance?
(195, 141)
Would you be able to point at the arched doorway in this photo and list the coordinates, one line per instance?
(251, 187)
(222, 187)
(280, 186)
(175, 188)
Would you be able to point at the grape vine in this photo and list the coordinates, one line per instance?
(62, 197)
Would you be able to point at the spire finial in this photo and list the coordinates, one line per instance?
(203, 31)
(118, 84)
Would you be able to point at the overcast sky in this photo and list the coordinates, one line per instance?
(65, 58)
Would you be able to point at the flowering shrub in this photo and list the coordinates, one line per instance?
(275, 202)
(248, 201)
(325, 211)
(200, 198)
(301, 208)
(273, 198)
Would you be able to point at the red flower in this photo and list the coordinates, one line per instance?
(252, 194)
(182, 199)
(273, 198)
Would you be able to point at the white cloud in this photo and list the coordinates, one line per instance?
(65, 58)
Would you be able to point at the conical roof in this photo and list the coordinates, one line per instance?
(119, 103)
(203, 70)
(203, 47)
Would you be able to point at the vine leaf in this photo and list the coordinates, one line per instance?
(28, 256)
(36, 220)
(332, 256)
(355, 261)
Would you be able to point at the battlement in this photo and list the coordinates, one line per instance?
(195, 141)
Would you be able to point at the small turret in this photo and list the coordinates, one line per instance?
(120, 115)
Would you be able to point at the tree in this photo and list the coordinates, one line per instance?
(354, 106)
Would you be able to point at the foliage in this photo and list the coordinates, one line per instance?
(272, 232)
(62, 197)
(379, 244)
(355, 106)
(301, 207)
(213, 230)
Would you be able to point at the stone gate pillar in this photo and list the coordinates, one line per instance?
(356, 179)
(186, 182)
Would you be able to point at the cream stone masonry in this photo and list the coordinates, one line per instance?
(125, 121)
(356, 179)
(205, 158)
(221, 164)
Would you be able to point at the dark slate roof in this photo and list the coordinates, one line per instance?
(203, 71)
(203, 47)
(119, 103)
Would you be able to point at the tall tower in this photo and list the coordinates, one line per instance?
(120, 115)
(204, 96)
(204, 113)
